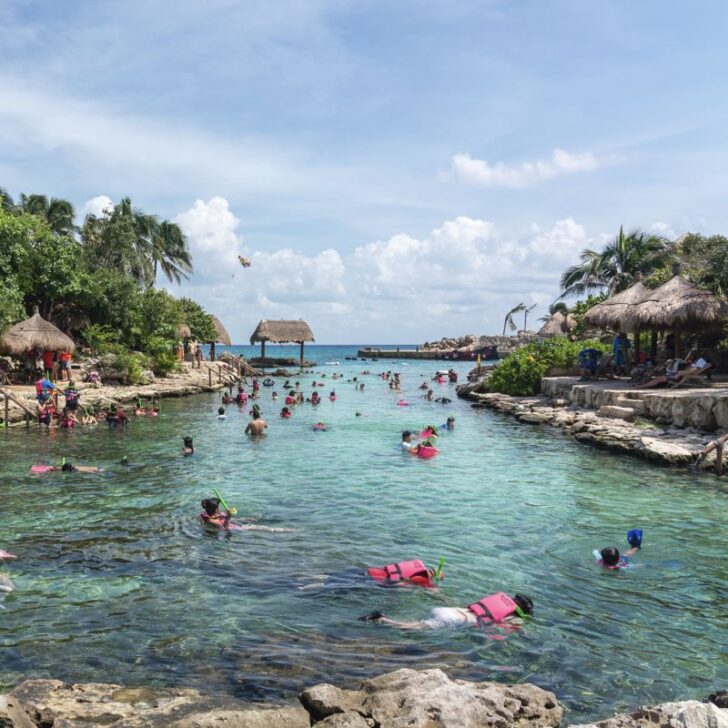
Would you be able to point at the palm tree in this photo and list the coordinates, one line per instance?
(6, 201)
(170, 253)
(618, 264)
(526, 311)
(508, 321)
(58, 213)
(556, 307)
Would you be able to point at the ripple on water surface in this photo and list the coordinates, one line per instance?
(117, 581)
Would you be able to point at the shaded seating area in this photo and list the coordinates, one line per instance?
(282, 331)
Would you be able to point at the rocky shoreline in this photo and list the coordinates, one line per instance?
(604, 427)
(210, 377)
(401, 699)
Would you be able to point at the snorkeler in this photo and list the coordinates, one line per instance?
(406, 572)
(610, 558)
(492, 610)
(188, 447)
(70, 468)
(212, 515)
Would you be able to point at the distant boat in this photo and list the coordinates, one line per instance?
(333, 363)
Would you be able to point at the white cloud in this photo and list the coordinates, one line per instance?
(499, 174)
(663, 229)
(97, 206)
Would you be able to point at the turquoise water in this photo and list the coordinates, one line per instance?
(116, 581)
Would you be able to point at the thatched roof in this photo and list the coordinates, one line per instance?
(35, 332)
(557, 325)
(676, 302)
(222, 335)
(183, 331)
(614, 313)
(282, 332)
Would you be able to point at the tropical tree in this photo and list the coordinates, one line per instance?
(508, 321)
(58, 213)
(618, 265)
(554, 308)
(6, 201)
(526, 311)
(169, 252)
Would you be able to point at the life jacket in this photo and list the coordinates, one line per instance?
(493, 608)
(212, 520)
(402, 571)
(290, 400)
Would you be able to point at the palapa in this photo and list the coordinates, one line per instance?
(184, 331)
(676, 303)
(282, 332)
(557, 325)
(614, 313)
(221, 332)
(35, 332)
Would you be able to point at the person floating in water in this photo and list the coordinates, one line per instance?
(406, 572)
(212, 515)
(494, 610)
(68, 467)
(5, 584)
(257, 426)
(610, 558)
(449, 425)
(188, 447)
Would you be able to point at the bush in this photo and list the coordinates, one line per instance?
(520, 374)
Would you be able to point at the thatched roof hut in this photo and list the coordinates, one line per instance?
(221, 332)
(676, 303)
(184, 331)
(282, 332)
(35, 332)
(614, 313)
(557, 325)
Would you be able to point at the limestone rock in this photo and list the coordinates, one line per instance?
(346, 720)
(669, 451)
(534, 418)
(616, 413)
(687, 714)
(58, 704)
(325, 699)
(12, 714)
(429, 698)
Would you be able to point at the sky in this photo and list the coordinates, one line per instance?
(395, 171)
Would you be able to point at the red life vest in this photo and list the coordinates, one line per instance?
(403, 571)
(493, 608)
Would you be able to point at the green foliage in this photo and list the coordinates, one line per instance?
(520, 373)
(617, 265)
(100, 338)
(581, 307)
(131, 362)
(200, 322)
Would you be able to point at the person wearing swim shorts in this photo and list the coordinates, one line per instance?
(257, 426)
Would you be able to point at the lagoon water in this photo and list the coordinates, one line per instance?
(116, 581)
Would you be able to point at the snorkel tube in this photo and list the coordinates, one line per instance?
(438, 571)
(231, 511)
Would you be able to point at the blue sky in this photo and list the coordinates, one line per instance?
(396, 171)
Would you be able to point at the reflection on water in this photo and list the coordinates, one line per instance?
(116, 580)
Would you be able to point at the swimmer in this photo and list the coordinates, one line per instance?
(257, 427)
(5, 584)
(610, 558)
(188, 447)
(407, 572)
(443, 400)
(69, 468)
(449, 425)
(212, 515)
(429, 396)
(493, 610)
(361, 387)
(320, 427)
(221, 413)
(285, 413)
(274, 396)
(407, 444)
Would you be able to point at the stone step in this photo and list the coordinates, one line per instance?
(616, 413)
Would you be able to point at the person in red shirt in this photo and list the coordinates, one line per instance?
(49, 364)
(65, 361)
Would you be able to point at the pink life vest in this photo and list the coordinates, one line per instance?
(290, 400)
(494, 608)
(405, 570)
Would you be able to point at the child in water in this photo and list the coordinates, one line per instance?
(221, 413)
(610, 558)
(187, 447)
(212, 515)
(285, 413)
